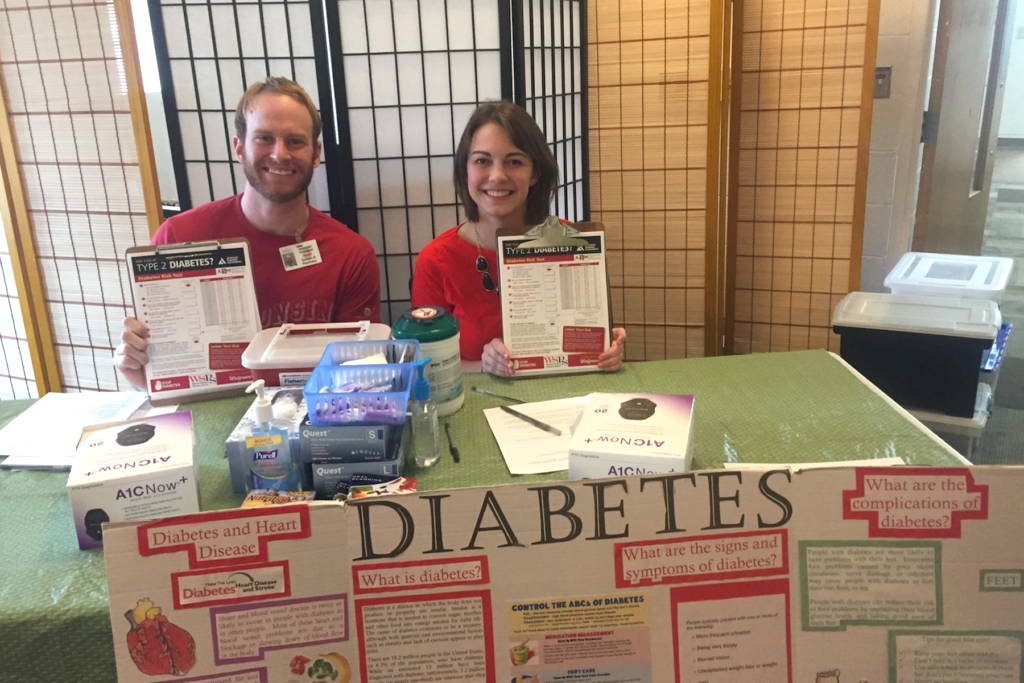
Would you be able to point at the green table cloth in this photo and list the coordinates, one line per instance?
(775, 408)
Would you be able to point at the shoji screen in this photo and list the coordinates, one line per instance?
(414, 72)
(209, 53)
(550, 81)
(70, 116)
(801, 177)
(17, 377)
(649, 112)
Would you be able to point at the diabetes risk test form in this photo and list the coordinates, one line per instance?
(554, 301)
(199, 303)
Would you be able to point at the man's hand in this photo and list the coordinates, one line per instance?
(130, 357)
(610, 359)
(495, 359)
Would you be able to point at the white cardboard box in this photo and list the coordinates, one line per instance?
(625, 434)
(129, 471)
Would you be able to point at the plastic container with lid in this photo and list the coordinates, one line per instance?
(925, 352)
(438, 334)
(961, 433)
(285, 356)
(972, 277)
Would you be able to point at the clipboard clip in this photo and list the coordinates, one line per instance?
(187, 246)
(552, 233)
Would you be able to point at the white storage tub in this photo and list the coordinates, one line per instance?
(285, 356)
(969, 277)
(923, 351)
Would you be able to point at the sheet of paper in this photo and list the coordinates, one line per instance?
(46, 435)
(529, 450)
(797, 466)
(147, 409)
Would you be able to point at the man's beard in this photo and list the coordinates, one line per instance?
(277, 196)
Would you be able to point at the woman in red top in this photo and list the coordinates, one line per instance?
(506, 177)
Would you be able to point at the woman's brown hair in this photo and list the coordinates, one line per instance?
(527, 136)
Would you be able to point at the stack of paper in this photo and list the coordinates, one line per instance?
(46, 435)
(529, 450)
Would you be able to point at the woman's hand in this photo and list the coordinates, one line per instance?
(130, 357)
(495, 359)
(610, 359)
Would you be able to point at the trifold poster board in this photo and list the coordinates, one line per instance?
(199, 302)
(908, 575)
(555, 311)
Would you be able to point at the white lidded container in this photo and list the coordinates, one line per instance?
(925, 352)
(952, 275)
(438, 334)
(285, 356)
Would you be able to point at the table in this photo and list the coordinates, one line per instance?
(775, 408)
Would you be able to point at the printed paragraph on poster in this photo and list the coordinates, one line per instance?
(951, 657)
(731, 632)
(242, 632)
(869, 581)
(426, 638)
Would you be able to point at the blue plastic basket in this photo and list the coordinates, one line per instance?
(359, 407)
(395, 350)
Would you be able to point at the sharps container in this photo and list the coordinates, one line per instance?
(437, 331)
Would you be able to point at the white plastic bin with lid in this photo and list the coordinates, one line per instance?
(970, 277)
(285, 356)
(962, 433)
(923, 351)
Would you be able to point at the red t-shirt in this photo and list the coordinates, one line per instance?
(344, 287)
(445, 275)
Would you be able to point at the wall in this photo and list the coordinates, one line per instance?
(1011, 125)
(905, 40)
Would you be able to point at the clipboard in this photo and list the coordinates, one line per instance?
(555, 298)
(198, 300)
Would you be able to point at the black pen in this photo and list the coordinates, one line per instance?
(535, 422)
(451, 443)
(491, 393)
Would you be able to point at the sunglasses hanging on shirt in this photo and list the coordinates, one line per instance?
(481, 267)
(481, 264)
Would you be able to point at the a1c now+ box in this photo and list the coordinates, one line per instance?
(624, 434)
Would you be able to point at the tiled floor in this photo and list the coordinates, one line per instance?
(1003, 439)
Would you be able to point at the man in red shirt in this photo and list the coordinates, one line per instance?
(277, 129)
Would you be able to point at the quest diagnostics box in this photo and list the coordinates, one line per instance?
(624, 434)
(129, 471)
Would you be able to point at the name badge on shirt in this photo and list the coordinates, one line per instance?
(300, 255)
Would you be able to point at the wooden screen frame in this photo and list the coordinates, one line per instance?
(24, 263)
(730, 230)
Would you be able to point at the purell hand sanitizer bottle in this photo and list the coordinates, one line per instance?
(268, 454)
(425, 444)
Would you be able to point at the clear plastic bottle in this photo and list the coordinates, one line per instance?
(426, 446)
(271, 463)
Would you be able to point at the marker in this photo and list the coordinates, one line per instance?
(451, 443)
(491, 393)
(536, 423)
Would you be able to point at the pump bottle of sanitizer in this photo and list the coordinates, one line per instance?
(271, 463)
(426, 446)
